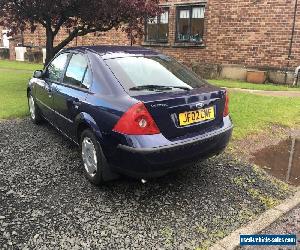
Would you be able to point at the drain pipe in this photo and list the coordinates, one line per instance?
(288, 175)
(291, 41)
(297, 72)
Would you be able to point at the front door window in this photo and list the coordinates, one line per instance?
(56, 68)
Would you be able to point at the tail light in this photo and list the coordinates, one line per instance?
(226, 107)
(136, 121)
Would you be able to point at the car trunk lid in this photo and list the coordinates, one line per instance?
(166, 107)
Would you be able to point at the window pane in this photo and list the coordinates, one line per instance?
(190, 24)
(151, 32)
(163, 28)
(183, 25)
(164, 17)
(152, 20)
(197, 24)
(198, 12)
(151, 29)
(184, 14)
(163, 32)
(86, 83)
(76, 70)
(56, 67)
(158, 28)
(154, 70)
(197, 29)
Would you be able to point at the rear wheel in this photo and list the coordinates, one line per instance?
(33, 109)
(93, 159)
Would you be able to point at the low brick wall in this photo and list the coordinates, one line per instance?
(34, 55)
(239, 72)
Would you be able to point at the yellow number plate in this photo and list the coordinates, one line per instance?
(196, 116)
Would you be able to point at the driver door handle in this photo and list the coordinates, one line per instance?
(47, 88)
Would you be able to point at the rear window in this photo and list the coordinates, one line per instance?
(153, 70)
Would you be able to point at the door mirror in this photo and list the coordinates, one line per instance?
(38, 74)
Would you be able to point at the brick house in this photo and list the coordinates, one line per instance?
(216, 38)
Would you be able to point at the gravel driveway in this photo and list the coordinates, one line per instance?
(46, 202)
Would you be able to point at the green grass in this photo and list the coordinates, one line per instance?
(13, 81)
(250, 113)
(245, 85)
(253, 113)
(15, 65)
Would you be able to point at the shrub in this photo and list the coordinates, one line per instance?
(35, 56)
(4, 53)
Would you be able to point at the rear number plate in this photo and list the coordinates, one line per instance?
(196, 116)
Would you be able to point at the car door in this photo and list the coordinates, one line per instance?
(43, 88)
(70, 94)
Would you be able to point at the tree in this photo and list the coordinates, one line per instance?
(80, 17)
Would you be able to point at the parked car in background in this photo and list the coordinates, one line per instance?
(131, 110)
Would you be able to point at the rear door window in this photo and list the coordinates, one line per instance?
(86, 83)
(77, 73)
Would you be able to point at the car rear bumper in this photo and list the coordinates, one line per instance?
(144, 162)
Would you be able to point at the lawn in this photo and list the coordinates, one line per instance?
(250, 113)
(13, 81)
(245, 85)
(253, 113)
(12, 65)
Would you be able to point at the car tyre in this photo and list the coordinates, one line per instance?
(35, 115)
(93, 159)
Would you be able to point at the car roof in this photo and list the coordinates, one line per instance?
(114, 51)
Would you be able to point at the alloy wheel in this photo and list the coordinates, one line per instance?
(89, 156)
(31, 107)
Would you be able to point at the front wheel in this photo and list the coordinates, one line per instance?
(33, 109)
(93, 159)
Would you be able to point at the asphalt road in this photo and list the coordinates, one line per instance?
(46, 202)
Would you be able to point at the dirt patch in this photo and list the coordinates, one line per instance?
(281, 160)
(273, 135)
(272, 152)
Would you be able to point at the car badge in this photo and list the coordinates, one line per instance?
(200, 105)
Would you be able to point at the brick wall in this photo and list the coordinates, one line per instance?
(246, 32)
(116, 37)
(253, 33)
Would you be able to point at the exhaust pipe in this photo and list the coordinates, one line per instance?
(297, 72)
(143, 181)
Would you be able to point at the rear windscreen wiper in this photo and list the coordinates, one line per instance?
(151, 87)
(180, 87)
(157, 87)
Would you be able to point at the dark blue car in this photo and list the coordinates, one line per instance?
(131, 110)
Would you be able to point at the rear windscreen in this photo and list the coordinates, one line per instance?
(153, 70)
